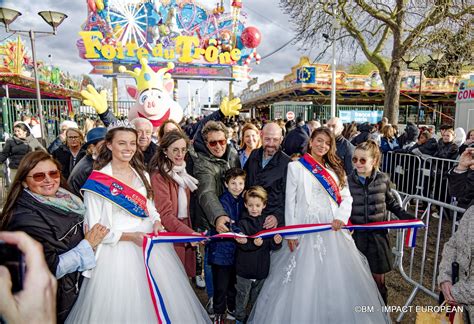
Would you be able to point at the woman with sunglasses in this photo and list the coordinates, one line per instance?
(372, 198)
(318, 277)
(118, 194)
(71, 152)
(39, 205)
(172, 187)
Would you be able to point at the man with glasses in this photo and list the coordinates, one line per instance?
(267, 167)
(213, 158)
(344, 148)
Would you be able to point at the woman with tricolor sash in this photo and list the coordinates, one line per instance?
(319, 277)
(119, 289)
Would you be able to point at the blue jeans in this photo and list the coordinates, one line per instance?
(208, 274)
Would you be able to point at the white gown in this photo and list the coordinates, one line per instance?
(116, 290)
(326, 277)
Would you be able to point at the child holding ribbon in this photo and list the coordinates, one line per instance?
(372, 197)
(222, 251)
(253, 255)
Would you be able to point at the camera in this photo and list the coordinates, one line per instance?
(13, 260)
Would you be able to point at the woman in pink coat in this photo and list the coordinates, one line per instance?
(172, 186)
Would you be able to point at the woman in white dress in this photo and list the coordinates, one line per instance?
(319, 277)
(116, 290)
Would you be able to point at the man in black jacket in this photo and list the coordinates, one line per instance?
(267, 167)
(344, 148)
(297, 139)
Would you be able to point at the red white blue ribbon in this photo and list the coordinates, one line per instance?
(169, 237)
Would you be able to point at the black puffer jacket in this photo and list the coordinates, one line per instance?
(372, 199)
(15, 149)
(58, 232)
(272, 178)
(67, 160)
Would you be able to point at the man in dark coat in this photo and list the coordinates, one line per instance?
(297, 139)
(344, 148)
(267, 167)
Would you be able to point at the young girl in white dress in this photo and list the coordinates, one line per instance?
(319, 277)
(116, 290)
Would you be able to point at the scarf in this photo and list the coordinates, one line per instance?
(64, 200)
(184, 180)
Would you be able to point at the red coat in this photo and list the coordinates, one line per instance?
(166, 202)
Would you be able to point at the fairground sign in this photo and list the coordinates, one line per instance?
(206, 43)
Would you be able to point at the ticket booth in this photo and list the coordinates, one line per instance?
(465, 104)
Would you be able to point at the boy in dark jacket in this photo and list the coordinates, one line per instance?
(253, 255)
(222, 252)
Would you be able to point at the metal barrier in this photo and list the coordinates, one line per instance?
(434, 180)
(419, 175)
(404, 171)
(427, 249)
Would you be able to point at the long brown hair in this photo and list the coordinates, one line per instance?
(330, 157)
(160, 162)
(104, 157)
(28, 163)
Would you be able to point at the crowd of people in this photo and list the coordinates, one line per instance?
(92, 197)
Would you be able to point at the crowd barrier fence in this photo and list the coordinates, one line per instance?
(425, 256)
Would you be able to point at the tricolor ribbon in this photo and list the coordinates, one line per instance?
(169, 237)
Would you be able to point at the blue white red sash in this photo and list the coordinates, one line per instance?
(323, 176)
(117, 193)
(170, 237)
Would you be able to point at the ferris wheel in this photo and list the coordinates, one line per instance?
(128, 20)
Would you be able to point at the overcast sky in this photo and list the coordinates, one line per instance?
(263, 14)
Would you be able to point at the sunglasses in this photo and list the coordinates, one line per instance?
(362, 160)
(214, 143)
(40, 176)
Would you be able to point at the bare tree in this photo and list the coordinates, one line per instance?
(376, 27)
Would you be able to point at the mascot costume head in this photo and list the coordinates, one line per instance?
(153, 98)
(153, 94)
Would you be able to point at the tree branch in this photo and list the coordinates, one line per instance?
(432, 19)
(376, 14)
(382, 40)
